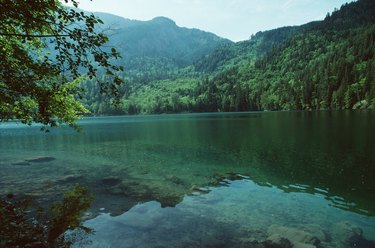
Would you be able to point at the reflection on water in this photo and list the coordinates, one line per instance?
(241, 214)
(325, 157)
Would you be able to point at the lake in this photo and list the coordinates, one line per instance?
(207, 180)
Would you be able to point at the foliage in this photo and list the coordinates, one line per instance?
(67, 214)
(320, 65)
(45, 46)
(16, 229)
(229, 55)
(20, 229)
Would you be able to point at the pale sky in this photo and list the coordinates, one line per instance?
(232, 19)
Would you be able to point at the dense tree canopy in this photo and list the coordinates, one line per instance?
(45, 50)
(327, 64)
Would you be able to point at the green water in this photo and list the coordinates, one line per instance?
(205, 180)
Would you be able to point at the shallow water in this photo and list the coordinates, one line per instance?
(205, 179)
(230, 216)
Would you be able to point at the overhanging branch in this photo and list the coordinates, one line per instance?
(35, 35)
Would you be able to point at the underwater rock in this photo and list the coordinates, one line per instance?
(174, 179)
(349, 235)
(346, 230)
(297, 237)
(199, 190)
(24, 163)
(170, 200)
(253, 244)
(110, 181)
(10, 195)
(303, 245)
(70, 178)
(119, 189)
(141, 191)
(315, 230)
(235, 176)
(273, 242)
(34, 194)
(40, 159)
(115, 191)
(276, 241)
(87, 216)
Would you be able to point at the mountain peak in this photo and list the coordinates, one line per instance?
(163, 20)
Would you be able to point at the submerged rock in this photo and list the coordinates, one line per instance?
(170, 200)
(110, 181)
(40, 159)
(272, 242)
(276, 241)
(199, 190)
(24, 163)
(70, 178)
(297, 237)
(27, 162)
(315, 230)
(118, 189)
(349, 235)
(10, 196)
(175, 179)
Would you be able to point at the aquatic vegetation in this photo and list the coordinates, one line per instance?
(24, 226)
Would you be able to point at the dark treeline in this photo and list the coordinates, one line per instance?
(320, 65)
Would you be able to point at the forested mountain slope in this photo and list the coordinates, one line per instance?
(158, 38)
(321, 65)
(326, 65)
(232, 54)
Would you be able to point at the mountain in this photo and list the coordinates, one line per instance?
(232, 54)
(320, 65)
(159, 38)
(328, 64)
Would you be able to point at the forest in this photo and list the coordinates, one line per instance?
(194, 180)
(321, 65)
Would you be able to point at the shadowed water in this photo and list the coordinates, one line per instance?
(169, 178)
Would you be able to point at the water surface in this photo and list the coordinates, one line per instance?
(205, 179)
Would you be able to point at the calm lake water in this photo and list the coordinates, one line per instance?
(207, 180)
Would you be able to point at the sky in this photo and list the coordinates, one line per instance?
(233, 19)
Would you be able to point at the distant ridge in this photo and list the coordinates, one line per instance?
(328, 64)
(159, 38)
